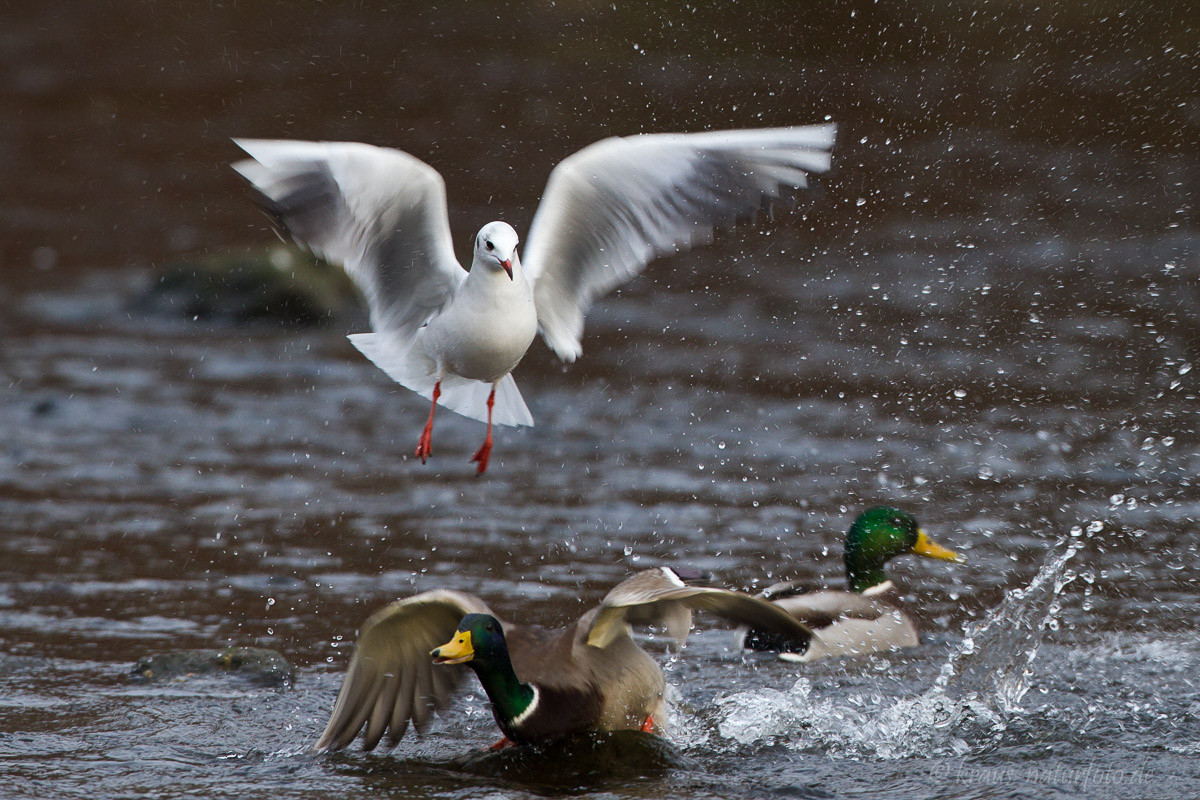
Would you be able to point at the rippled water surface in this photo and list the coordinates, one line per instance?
(987, 316)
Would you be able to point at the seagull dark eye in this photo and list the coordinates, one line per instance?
(489, 246)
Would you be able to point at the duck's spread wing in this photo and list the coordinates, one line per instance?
(793, 597)
(777, 591)
(659, 596)
(616, 205)
(380, 213)
(392, 679)
(822, 608)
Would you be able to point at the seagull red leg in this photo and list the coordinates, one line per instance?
(425, 445)
(485, 450)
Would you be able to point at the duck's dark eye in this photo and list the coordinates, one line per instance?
(489, 246)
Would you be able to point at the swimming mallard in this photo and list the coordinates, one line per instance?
(542, 684)
(869, 617)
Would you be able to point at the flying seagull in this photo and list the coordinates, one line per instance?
(454, 336)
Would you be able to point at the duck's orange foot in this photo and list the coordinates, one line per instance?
(500, 745)
(648, 726)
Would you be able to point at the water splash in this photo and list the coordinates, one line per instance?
(995, 658)
(859, 725)
(976, 696)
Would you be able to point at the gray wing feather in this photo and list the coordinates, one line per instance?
(783, 589)
(614, 206)
(830, 605)
(391, 679)
(402, 710)
(422, 704)
(659, 593)
(381, 712)
(443, 688)
(378, 212)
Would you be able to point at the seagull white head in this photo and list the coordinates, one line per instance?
(496, 247)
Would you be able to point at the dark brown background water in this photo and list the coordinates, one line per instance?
(987, 316)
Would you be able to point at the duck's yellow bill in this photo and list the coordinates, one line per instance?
(930, 549)
(456, 651)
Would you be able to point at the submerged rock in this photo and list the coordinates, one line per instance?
(256, 664)
(280, 283)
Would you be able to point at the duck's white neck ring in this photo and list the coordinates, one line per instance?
(529, 709)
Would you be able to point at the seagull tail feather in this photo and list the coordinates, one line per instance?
(409, 366)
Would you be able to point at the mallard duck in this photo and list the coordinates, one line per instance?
(543, 684)
(869, 617)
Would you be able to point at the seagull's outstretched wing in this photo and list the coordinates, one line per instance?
(378, 212)
(616, 205)
(658, 596)
(392, 679)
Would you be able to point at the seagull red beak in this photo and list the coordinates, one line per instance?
(507, 264)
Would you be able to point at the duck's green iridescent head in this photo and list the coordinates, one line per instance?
(479, 643)
(879, 535)
(479, 638)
